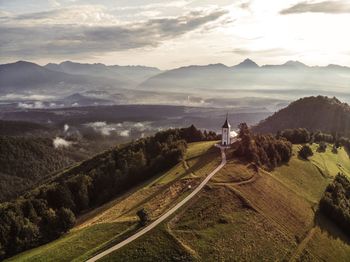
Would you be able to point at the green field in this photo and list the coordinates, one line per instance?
(241, 215)
(76, 245)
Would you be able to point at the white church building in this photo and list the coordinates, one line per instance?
(227, 136)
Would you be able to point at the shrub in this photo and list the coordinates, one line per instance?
(305, 152)
(322, 147)
(143, 216)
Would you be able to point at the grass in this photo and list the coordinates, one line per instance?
(310, 178)
(219, 226)
(76, 245)
(158, 246)
(202, 165)
(197, 149)
(329, 243)
(233, 171)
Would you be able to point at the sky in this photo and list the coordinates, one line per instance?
(174, 33)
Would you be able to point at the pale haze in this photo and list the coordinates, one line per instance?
(169, 34)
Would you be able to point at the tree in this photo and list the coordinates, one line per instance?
(65, 219)
(305, 152)
(322, 147)
(143, 216)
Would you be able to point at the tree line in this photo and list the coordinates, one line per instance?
(335, 203)
(50, 210)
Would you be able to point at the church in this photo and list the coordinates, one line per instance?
(227, 136)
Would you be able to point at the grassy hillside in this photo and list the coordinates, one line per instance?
(241, 215)
(120, 213)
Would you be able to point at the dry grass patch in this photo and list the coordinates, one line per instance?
(277, 202)
(233, 171)
(219, 226)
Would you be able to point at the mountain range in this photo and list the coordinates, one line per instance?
(190, 85)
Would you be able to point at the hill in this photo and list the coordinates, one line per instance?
(24, 161)
(313, 113)
(49, 210)
(242, 214)
(20, 128)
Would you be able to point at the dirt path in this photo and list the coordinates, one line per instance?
(302, 245)
(164, 216)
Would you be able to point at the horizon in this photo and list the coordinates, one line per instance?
(176, 33)
(182, 66)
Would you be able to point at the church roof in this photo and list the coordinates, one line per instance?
(226, 124)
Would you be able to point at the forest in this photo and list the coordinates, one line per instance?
(50, 210)
(25, 161)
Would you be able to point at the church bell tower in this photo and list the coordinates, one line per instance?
(226, 130)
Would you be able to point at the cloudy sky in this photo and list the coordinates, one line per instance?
(175, 33)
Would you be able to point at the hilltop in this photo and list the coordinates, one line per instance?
(243, 213)
(313, 113)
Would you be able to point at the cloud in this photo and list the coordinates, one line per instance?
(37, 34)
(102, 127)
(124, 133)
(332, 7)
(263, 52)
(34, 105)
(60, 142)
(65, 128)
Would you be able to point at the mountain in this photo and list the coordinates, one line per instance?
(289, 65)
(313, 113)
(246, 64)
(135, 74)
(290, 80)
(24, 76)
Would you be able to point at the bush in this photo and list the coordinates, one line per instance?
(143, 216)
(322, 147)
(296, 136)
(305, 152)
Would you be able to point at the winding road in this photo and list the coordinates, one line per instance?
(165, 215)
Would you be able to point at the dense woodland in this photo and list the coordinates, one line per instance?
(313, 113)
(50, 210)
(26, 160)
(335, 203)
(264, 150)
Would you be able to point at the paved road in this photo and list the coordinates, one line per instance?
(163, 217)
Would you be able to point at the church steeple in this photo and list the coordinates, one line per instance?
(226, 130)
(226, 124)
